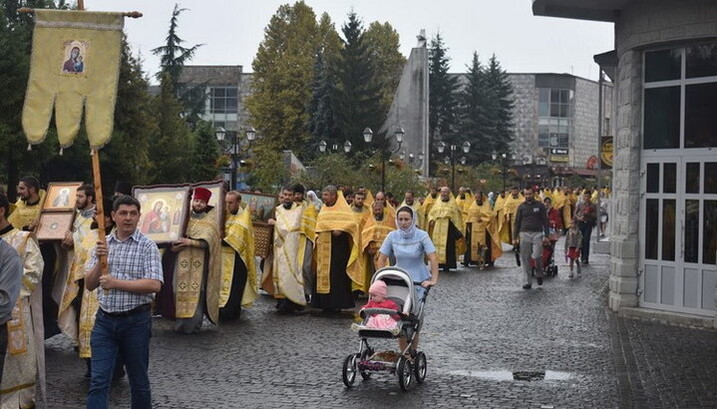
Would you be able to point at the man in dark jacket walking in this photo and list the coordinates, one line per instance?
(531, 231)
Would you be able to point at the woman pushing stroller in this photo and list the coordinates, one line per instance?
(410, 246)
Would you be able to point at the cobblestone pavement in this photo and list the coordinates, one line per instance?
(480, 326)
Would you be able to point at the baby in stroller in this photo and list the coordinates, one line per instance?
(378, 293)
(394, 311)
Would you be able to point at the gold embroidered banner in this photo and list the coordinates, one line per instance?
(74, 68)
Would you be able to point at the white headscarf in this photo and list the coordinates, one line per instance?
(411, 230)
(311, 195)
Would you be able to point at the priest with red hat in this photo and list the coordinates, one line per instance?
(197, 268)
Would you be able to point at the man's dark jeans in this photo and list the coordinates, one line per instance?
(3, 348)
(129, 336)
(587, 230)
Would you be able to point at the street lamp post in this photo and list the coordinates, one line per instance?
(385, 154)
(466, 146)
(234, 147)
(503, 164)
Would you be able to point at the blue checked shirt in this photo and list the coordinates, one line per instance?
(135, 258)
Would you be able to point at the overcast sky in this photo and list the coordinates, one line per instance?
(231, 30)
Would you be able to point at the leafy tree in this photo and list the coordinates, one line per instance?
(501, 94)
(173, 57)
(15, 47)
(359, 99)
(382, 43)
(283, 73)
(443, 87)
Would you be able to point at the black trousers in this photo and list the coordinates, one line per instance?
(586, 229)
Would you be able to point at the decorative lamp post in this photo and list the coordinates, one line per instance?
(385, 154)
(234, 147)
(503, 164)
(441, 146)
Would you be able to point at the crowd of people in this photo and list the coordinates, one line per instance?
(323, 254)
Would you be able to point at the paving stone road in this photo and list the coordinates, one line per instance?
(479, 328)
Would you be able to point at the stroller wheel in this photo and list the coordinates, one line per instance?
(405, 373)
(366, 375)
(420, 367)
(350, 369)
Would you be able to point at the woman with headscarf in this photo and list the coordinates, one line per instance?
(410, 246)
(314, 199)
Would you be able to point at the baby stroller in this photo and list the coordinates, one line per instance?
(550, 269)
(401, 291)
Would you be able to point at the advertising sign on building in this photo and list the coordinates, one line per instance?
(606, 152)
(559, 155)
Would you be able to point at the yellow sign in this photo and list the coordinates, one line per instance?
(606, 152)
(560, 158)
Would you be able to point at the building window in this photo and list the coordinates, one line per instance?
(223, 100)
(680, 98)
(554, 117)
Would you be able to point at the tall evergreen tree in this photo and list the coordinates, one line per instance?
(442, 89)
(173, 57)
(477, 115)
(206, 152)
(501, 92)
(359, 99)
(173, 144)
(322, 122)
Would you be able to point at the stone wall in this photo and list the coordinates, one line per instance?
(525, 115)
(640, 25)
(583, 143)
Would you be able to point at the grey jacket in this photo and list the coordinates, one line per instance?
(574, 238)
(10, 280)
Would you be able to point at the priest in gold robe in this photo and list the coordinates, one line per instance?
(239, 287)
(428, 202)
(72, 284)
(374, 233)
(285, 277)
(482, 242)
(444, 227)
(26, 215)
(23, 380)
(506, 217)
(337, 253)
(198, 270)
(409, 199)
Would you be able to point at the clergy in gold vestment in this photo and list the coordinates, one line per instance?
(285, 279)
(24, 371)
(27, 209)
(239, 286)
(373, 234)
(571, 199)
(427, 205)
(506, 220)
(482, 241)
(409, 199)
(337, 253)
(71, 286)
(444, 224)
(198, 270)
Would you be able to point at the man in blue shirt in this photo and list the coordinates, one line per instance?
(124, 321)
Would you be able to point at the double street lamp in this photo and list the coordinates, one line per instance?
(335, 147)
(234, 147)
(503, 164)
(385, 154)
(466, 146)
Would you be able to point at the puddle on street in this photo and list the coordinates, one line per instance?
(505, 375)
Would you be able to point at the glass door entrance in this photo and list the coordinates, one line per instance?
(678, 230)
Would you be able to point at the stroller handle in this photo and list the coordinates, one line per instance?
(370, 311)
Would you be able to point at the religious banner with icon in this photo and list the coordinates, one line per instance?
(74, 68)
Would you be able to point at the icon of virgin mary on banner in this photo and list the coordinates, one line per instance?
(74, 68)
